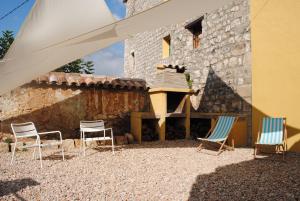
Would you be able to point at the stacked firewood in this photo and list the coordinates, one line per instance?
(175, 132)
(200, 127)
(149, 132)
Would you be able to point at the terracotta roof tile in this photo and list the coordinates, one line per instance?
(84, 80)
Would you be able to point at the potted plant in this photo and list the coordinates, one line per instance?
(8, 141)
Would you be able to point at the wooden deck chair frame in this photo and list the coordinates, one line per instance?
(277, 146)
(221, 143)
(28, 130)
(92, 127)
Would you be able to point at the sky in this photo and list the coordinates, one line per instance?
(108, 61)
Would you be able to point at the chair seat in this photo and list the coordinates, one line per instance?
(26, 136)
(92, 129)
(51, 144)
(28, 146)
(269, 143)
(42, 145)
(212, 140)
(97, 138)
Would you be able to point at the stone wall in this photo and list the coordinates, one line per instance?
(220, 68)
(53, 107)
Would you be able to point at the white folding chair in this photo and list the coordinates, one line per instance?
(28, 130)
(91, 127)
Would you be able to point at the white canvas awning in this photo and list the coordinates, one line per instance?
(57, 32)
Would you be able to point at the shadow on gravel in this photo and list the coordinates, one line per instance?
(165, 144)
(107, 149)
(261, 179)
(12, 187)
(55, 157)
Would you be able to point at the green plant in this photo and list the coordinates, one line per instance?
(24, 149)
(6, 40)
(189, 80)
(78, 66)
(8, 140)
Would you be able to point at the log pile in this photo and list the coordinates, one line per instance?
(149, 132)
(175, 129)
(175, 132)
(200, 127)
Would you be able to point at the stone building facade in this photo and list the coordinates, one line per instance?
(219, 64)
(59, 101)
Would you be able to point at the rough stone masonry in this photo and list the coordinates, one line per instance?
(60, 101)
(220, 67)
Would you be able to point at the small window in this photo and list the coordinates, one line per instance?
(132, 60)
(166, 46)
(132, 53)
(195, 28)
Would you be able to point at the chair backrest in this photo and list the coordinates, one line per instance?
(96, 125)
(222, 128)
(272, 131)
(24, 130)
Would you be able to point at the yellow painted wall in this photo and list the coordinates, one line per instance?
(158, 103)
(239, 133)
(159, 107)
(166, 42)
(275, 36)
(136, 126)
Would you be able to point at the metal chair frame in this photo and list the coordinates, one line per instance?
(28, 130)
(91, 127)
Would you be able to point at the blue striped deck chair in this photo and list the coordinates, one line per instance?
(273, 133)
(220, 132)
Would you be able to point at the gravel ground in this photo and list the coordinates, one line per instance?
(152, 171)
